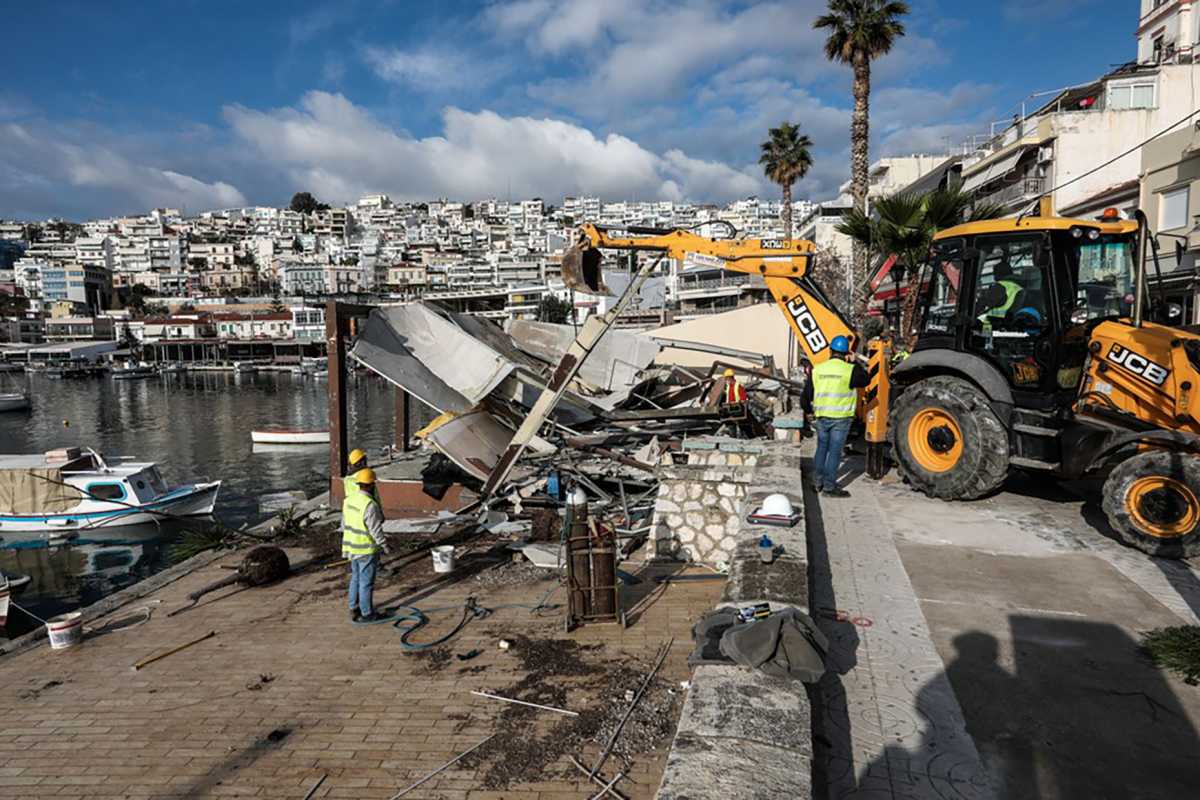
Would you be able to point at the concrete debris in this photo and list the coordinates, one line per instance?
(527, 415)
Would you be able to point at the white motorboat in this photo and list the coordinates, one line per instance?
(76, 489)
(132, 370)
(288, 436)
(14, 401)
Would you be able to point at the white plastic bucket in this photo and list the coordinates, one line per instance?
(443, 558)
(66, 630)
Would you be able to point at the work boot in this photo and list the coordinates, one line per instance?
(374, 616)
(354, 615)
(836, 492)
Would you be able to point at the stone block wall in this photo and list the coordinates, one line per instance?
(742, 734)
(700, 503)
(697, 513)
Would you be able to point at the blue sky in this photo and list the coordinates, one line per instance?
(112, 108)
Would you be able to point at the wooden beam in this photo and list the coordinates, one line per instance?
(402, 427)
(335, 339)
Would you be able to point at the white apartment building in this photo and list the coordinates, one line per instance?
(268, 325)
(889, 175)
(211, 255)
(1061, 146)
(1168, 31)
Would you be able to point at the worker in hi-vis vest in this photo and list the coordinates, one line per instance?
(362, 541)
(829, 399)
(999, 297)
(734, 392)
(357, 461)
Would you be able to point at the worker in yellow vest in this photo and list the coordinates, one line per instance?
(357, 461)
(362, 541)
(733, 392)
(829, 398)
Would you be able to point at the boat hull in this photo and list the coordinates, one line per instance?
(289, 437)
(13, 403)
(187, 501)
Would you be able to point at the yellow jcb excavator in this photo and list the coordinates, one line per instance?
(1038, 347)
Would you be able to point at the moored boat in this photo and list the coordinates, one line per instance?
(288, 436)
(14, 401)
(131, 370)
(76, 489)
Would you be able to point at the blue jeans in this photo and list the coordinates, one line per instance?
(831, 439)
(362, 583)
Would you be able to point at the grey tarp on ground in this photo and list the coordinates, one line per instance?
(430, 356)
(36, 490)
(786, 644)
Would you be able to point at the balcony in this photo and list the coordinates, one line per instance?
(1023, 191)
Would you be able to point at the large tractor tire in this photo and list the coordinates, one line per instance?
(946, 440)
(1153, 502)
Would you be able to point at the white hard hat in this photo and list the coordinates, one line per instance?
(776, 505)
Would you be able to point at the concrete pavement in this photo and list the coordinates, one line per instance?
(989, 649)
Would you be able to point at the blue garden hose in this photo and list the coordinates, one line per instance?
(410, 619)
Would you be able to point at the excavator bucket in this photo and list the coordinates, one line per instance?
(581, 270)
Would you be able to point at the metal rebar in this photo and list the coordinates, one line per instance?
(604, 789)
(612, 740)
(442, 768)
(596, 779)
(524, 703)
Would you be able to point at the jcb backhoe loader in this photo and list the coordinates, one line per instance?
(1038, 348)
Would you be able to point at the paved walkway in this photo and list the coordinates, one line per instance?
(989, 649)
(893, 725)
(289, 691)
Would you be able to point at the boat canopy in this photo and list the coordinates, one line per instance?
(35, 490)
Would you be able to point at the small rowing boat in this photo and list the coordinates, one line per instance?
(288, 436)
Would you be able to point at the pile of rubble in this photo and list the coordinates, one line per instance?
(620, 414)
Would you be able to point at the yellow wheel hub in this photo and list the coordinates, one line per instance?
(935, 439)
(1163, 507)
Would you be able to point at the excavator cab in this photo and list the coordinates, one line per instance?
(1041, 346)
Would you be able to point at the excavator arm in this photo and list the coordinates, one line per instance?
(785, 267)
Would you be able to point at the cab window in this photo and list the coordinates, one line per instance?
(1010, 291)
(106, 491)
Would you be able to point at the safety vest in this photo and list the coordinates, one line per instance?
(356, 540)
(1011, 290)
(832, 396)
(734, 393)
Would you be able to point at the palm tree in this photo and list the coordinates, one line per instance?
(785, 160)
(859, 32)
(904, 224)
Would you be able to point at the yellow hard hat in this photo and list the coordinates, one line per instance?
(728, 373)
(357, 455)
(365, 476)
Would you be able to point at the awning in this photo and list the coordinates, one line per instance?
(993, 171)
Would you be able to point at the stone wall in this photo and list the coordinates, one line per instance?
(699, 505)
(742, 734)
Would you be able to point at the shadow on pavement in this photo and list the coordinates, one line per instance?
(833, 751)
(1083, 715)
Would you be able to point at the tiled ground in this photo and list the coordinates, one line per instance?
(356, 708)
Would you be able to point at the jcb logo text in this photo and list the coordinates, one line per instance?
(807, 325)
(1138, 365)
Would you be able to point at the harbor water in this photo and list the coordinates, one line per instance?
(197, 427)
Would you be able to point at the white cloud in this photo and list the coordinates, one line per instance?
(432, 68)
(340, 151)
(55, 169)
